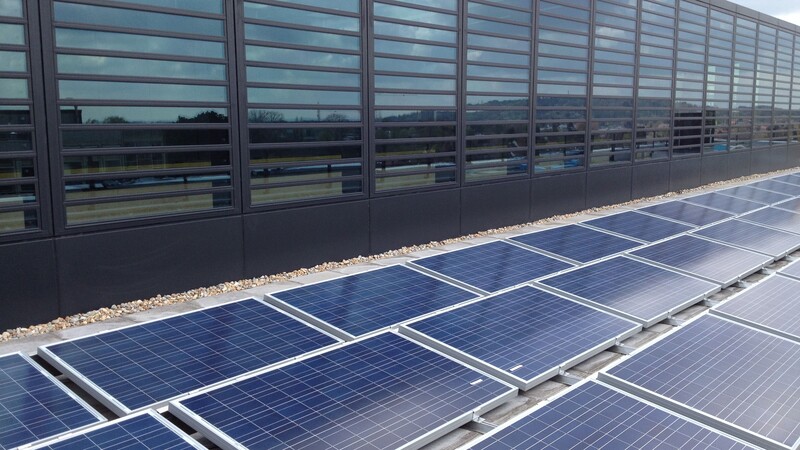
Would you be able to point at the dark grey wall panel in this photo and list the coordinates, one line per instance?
(761, 161)
(560, 194)
(28, 284)
(714, 168)
(495, 205)
(101, 269)
(684, 174)
(793, 156)
(778, 157)
(608, 186)
(738, 164)
(285, 240)
(648, 180)
(414, 219)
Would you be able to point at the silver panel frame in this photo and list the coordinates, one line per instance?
(110, 402)
(227, 443)
(793, 266)
(775, 256)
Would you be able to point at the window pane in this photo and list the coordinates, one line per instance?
(106, 65)
(123, 42)
(109, 90)
(116, 17)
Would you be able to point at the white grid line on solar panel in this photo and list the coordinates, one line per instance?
(733, 205)
(522, 336)
(792, 205)
(754, 194)
(775, 218)
(359, 304)
(635, 225)
(791, 179)
(576, 244)
(772, 305)
(703, 258)
(686, 213)
(491, 267)
(777, 186)
(147, 364)
(750, 236)
(791, 270)
(631, 288)
(733, 377)
(145, 430)
(381, 392)
(594, 415)
(34, 406)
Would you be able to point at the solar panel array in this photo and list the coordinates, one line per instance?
(736, 378)
(792, 205)
(791, 179)
(523, 336)
(576, 243)
(755, 195)
(792, 270)
(383, 392)
(775, 218)
(148, 364)
(753, 237)
(687, 213)
(777, 186)
(639, 226)
(725, 203)
(772, 305)
(595, 416)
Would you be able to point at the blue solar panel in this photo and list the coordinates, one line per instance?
(371, 301)
(380, 393)
(777, 186)
(710, 260)
(639, 226)
(755, 195)
(772, 305)
(523, 336)
(776, 218)
(790, 205)
(633, 289)
(148, 364)
(34, 406)
(725, 203)
(792, 270)
(791, 179)
(753, 237)
(141, 431)
(594, 416)
(493, 266)
(687, 213)
(577, 243)
(731, 373)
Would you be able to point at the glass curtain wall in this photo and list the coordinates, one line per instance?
(690, 77)
(143, 109)
(783, 88)
(719, 77)
(765, 85)
(744, 68)
(794, 126)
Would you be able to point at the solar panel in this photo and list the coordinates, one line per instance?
(753, 194)
(792, 205)
(737, 379)
(35, 406)
(791, 179)
(522, 336)
(383, 392)
(712, 261)
(792, 270)
(753, 237)
(576, 243)
(687, 213)
(147, 430)
(632, 289)
(594, 415)
(639, 226)
(147, 364)
(493, 266)
(772, 305)
(367, 302)
(777, 186)
(775, 218)
(725, 203)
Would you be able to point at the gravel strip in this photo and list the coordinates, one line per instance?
(123, 309)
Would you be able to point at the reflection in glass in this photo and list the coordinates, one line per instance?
(209, 6)
(12, 34)
(278, 135)
(123, 42)
(302, 115)
(142, 138)
(294, 76)
(300, 17)
(129, 67)
(13, 62)
(161, 206)
(128, 18)
(15, 115)
(140, 115)
(303, 96)
(16, 168)
(16, 141)
(114, 187)
(111, 163)
(13, 88)
(304, 57)
(301, 37)
(11, 8)
(112, 90)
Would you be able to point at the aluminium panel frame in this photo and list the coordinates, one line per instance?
(794, 265)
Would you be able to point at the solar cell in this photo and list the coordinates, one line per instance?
(576, 243)
(776, 218)
(147, 430)
(772, 305)
(367, 302)
(639, 226)
(756, 195)
(777, 186)
(725, 203)
(792, 270)
(522, 336)
(147, 364)
(687, 213)
(754, 237)
(737, 379)
(383, 392)
(712, 261)
(632, 289)
(493, 266)
(792, 205)
(35, 406)
(791, 179)
(595, 416)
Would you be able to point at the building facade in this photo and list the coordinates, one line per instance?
(153, 146)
